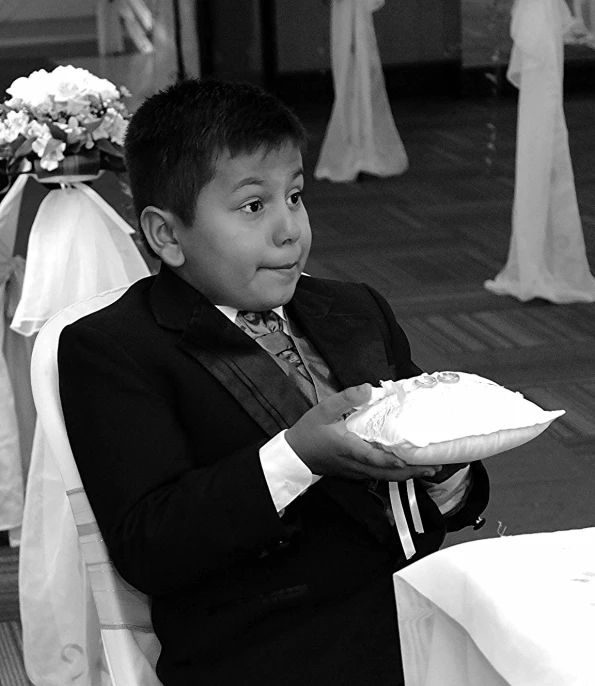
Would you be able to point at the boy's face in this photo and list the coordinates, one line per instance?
(251, 236)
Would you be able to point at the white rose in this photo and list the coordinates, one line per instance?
(105, 89)
(68, 80)
(69, 89)
(31, 90)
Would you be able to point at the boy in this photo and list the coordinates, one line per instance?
(205, 407)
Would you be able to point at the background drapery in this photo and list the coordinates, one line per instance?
(361, 134)
(547, 257)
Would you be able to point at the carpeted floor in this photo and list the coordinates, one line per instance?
(12, 671)
(428, 240)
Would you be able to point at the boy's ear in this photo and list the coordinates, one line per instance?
(159, 227)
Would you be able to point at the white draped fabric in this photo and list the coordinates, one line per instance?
(16, 405)
(78, 247)
(361, 134)
(547, 257)
(11, 468)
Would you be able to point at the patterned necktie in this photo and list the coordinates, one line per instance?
(267, 329)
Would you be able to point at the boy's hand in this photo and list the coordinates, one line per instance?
(322, 441)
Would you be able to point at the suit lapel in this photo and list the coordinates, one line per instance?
(351, 344)
(238, 362)
(244, 368)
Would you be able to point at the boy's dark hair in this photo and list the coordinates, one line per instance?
(174, 137)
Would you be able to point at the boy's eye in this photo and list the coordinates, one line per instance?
(252, 207)
(295, 198)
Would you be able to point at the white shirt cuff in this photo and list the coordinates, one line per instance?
(286, 475)
(450, 493)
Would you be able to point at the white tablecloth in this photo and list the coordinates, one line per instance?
(515, 610)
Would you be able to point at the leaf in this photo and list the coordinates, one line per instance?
(109, 148)
(93, 124)
(52, 145)
(17, 142)
(14, 166)
(80, 137)
(25, 148)
(57, 133)
(75, 148)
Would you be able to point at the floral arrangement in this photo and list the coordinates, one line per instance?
(66, 115)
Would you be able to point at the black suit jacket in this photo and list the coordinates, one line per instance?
(166, 404)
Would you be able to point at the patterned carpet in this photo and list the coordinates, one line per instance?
(428, 240)
(12, 671)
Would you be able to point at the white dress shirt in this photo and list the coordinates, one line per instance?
(288, 477)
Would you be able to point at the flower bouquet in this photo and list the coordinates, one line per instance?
(64, 128)
(62, 123)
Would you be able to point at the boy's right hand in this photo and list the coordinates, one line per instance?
(322, 441)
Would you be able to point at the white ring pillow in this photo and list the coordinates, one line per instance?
(447, 417)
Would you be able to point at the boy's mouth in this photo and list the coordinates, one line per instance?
(285, 271)
(287, 266)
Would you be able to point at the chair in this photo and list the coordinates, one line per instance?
(120, 615)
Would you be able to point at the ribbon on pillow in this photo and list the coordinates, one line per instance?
(399, 515)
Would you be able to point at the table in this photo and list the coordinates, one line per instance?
(509, 611)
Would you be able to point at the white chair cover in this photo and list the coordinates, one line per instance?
(82, 624)
(547, 257)
(361, 134)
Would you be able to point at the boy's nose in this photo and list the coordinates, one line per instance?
(287, 227)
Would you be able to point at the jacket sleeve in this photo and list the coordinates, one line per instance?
(167, 524)
(476, 501)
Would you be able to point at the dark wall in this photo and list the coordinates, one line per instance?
(408, 31)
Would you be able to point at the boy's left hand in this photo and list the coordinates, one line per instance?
(445, 472)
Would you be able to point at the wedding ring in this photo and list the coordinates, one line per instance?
(425, 381)
(449, 377)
